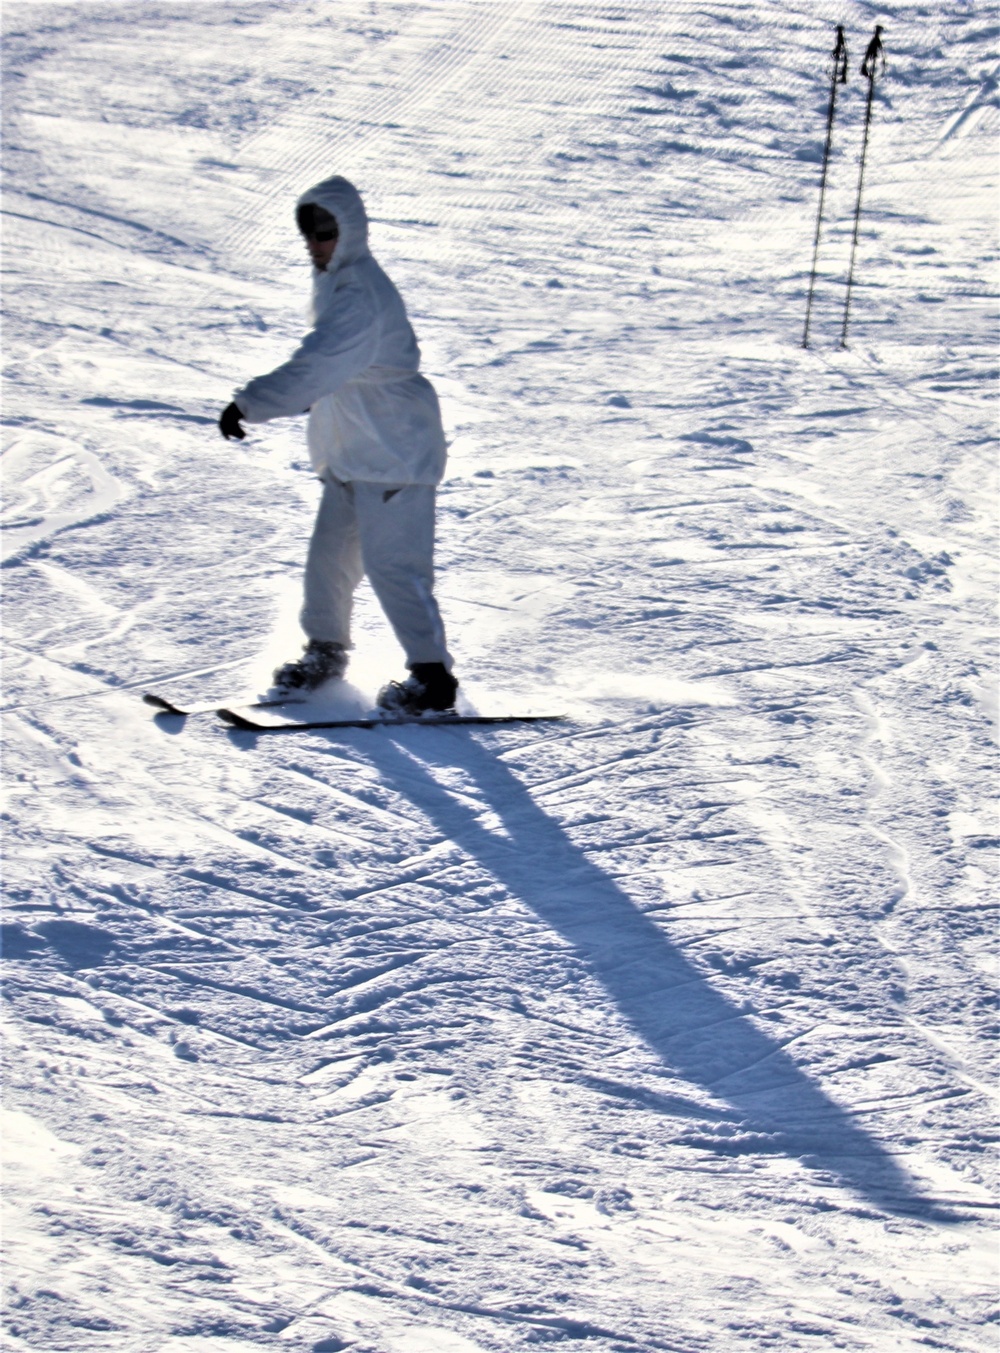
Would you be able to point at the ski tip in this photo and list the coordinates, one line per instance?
(236, 720)
(164, 706)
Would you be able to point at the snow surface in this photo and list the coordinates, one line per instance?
(663, 1028)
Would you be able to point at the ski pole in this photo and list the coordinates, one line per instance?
(868, 68)
(839, 76)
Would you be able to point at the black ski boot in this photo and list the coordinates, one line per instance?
(320, 662)
(430, 688)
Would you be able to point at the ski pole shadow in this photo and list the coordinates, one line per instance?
(698, 1035)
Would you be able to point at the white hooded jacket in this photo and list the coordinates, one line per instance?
(372, 416)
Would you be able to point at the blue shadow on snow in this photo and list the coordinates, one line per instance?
(695, 1031)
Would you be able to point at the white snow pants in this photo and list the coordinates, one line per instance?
(386, 532)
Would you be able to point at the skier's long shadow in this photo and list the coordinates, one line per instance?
(696, 1032)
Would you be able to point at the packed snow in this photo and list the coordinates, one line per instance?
(664, 1027)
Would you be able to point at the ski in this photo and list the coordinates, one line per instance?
(166, 706)
(236, 718)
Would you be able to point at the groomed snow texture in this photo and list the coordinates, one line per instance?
(664, 1028)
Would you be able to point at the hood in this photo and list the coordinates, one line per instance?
(342, 200)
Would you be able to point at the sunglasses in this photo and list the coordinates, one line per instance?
(315, 223)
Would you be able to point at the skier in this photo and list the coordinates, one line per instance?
(376, 442)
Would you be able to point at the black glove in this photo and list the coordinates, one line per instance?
(229, 423)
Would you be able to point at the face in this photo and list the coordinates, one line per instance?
(320, 251)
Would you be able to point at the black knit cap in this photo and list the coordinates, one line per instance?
(316, 222)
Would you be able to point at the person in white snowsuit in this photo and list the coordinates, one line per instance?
(377, 444)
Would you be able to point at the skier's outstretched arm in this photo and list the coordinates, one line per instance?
(332, 354)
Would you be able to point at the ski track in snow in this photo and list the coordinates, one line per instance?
(667, 1027)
